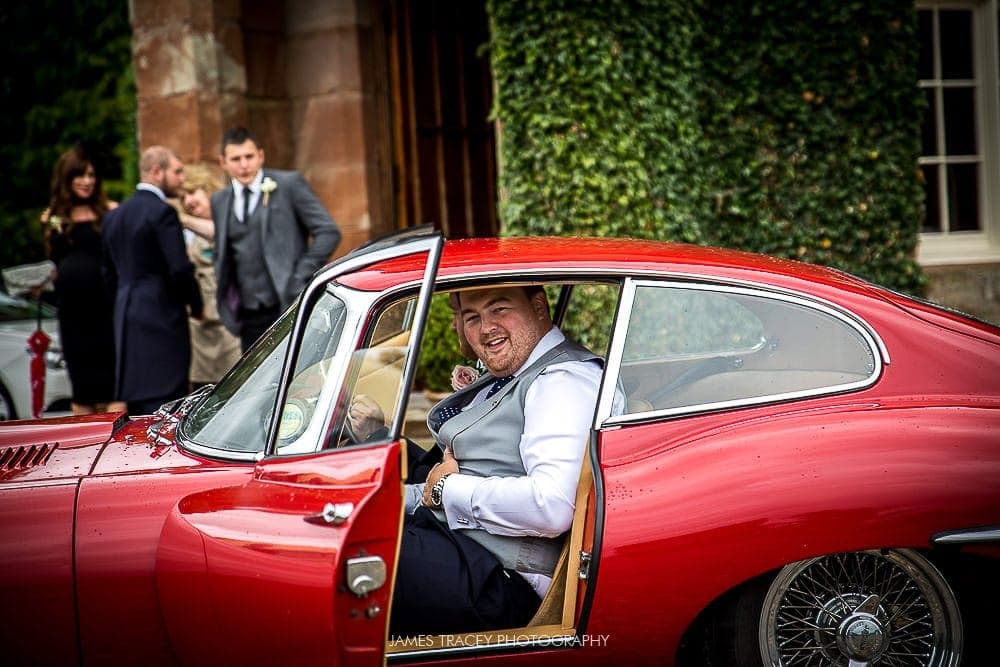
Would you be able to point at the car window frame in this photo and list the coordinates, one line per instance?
(604, 417)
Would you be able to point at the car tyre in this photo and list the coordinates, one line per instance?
(859, 608)
(7, 411)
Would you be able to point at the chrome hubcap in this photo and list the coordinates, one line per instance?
(867, 608)
(861, 637)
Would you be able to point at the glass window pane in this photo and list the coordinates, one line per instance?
(928, 129)
(960, 121)
(688, 322)
(932, 203)
(237, 414)
(963, 197)
(925, 31)
(590, 315)
(694, 347)
(956, 45)
(376, 373)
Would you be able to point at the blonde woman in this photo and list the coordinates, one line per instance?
(213, 349)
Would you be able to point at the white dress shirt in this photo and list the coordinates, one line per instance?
(558, 413)
(149, 187)
(254, 186)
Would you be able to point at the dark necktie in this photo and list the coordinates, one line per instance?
(498, 384)
(447, 412)
(246, 203)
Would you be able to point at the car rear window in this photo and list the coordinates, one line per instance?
(694, 348)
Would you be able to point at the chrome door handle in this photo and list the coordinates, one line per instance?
(332, 514)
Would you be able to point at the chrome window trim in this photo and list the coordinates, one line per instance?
(357, 304)
(983, 535)
(632, 278)
(614, 363)
(429, 243)
(415, 242)
(614, 273)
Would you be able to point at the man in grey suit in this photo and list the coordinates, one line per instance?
(271, 234)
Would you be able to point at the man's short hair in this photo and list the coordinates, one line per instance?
(454, 298)
(235, 136)
(154, 156)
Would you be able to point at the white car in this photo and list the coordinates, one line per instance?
(18, 319)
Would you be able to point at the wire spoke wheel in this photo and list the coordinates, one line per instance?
(888, 608)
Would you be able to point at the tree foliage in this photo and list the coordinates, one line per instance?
(66, 78)
(788, 127)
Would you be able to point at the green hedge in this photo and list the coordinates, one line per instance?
(811, 118)
(780, 126)
(598, 111)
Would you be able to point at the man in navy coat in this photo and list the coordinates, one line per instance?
(271, 234)
(152, 282)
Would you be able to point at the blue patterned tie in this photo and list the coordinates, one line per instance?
(498, 384)
(447, 412)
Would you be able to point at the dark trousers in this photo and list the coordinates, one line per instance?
(253, 324)
(148, 406)
(447, 582)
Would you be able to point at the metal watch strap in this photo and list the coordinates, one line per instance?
(437, 491)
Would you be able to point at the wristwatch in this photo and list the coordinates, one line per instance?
(437, 491)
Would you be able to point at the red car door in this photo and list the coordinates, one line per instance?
(295, 565)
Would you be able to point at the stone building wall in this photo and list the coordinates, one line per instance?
(970, 289)
(293, 72)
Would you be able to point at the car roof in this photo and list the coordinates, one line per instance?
(524, 257)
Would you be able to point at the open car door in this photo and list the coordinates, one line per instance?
(296, 565)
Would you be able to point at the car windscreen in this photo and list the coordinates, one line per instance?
(236, 415)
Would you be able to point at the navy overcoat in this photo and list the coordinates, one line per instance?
(152, 282)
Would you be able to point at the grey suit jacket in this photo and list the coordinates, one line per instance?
(297, 237)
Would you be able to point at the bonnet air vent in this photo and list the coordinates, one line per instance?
(22, 458)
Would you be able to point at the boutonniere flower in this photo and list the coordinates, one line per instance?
(267, 187)
(463, 376)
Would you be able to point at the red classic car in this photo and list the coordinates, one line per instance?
(787, 466)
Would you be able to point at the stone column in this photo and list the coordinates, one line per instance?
(190, 74)
(325, 91)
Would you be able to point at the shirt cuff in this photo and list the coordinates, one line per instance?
(414, 497)
(457, 500)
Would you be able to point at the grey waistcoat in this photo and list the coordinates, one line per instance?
(486, 440)
(252, 278)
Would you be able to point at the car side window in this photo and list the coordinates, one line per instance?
(376, 375)
(590, 314)
(689, 348)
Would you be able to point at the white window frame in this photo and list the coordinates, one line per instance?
(982, 246)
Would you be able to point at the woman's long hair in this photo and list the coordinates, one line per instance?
(71, 164)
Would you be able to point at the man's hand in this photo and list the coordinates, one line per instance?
(447, 466)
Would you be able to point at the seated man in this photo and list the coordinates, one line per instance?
(482, 535)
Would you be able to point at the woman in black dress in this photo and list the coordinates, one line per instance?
(73, 239)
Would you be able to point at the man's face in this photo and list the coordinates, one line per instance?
(173, 178)
(503, 326)
(242, 161)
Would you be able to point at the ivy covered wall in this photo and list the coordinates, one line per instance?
(789, 127)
